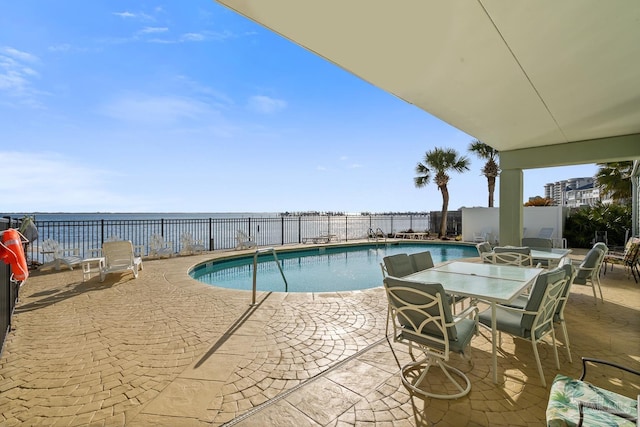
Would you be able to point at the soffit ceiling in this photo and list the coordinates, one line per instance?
(514, 74)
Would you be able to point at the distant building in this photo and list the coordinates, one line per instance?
(574, 192)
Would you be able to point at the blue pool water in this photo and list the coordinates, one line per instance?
(331, 269)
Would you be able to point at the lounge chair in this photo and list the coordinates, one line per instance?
(482, 236)
(158, 247)
(576, 402)
(628, 258)
(190, 245)
(245, 241)
(56, 256)
(119, 257)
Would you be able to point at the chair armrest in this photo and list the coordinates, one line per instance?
(95, 252)
(595, 406)
(72, 251)
(471, 310)
(604, 362)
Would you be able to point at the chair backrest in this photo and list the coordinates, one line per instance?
(118, 253)
(546, 232)
(483, 248)
(589, 265)
(602, 246)
(420, 310)
(421, 261)
(537, 242)
(512, 255)
(398, 265)
(543, 301)
(569, 273)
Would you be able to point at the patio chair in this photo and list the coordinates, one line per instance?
(588, 272)
(576, 402)
(56, 256)
(628, 259)
(481, 236)
(546, 233)
(484, 248)
(158, 247)
(537, 242)
(509, 255)
(245, 241)
(190, 245)
(421, 260)
(423, 321)
(535, 321)
(398, 265)
(522, 300)
(402, 265)
(119, 257)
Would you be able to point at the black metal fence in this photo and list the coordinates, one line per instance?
(8, 289)
(218, 233)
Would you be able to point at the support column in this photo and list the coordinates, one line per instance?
(511, 210)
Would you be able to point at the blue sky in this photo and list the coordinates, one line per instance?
(121, 106)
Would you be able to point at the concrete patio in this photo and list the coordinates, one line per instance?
(166, 350)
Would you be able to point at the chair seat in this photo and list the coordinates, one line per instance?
(466, 329)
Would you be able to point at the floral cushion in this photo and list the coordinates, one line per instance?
(566, 392)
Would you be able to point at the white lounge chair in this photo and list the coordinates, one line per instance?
(190, 245)
(245, 241)
(158, 247)
(119, 257)
(56, 256)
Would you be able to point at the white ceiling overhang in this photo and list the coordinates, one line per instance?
(514, 74)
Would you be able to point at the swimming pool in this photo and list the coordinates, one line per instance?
(330, 269)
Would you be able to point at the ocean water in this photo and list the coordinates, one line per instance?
(87, 231)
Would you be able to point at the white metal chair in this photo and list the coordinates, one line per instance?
(119, 257)
(158, 247)
(422, 320)
(588, 272)
(535, 321)
(56, 256)
(570, 272)
(509, 255)
(245, 241)
(190, 245)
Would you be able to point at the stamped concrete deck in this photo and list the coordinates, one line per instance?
(165, 350)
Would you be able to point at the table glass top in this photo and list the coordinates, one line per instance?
(499, 283)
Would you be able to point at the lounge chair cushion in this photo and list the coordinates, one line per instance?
(566, 392)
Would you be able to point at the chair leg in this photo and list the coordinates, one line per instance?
(535, 352)
(566, 339)
(462, 384)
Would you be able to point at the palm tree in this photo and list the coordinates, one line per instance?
(491, 169)
(615, 179)
(441, 160)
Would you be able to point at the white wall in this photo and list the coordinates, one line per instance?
(476, 220)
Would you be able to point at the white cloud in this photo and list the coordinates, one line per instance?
(153, 30)
(160, 110)
(50, 181)
(125, 14)
(266, 105)
(16, 76)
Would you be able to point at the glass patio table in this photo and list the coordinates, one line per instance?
(553, 255)
(493, 283)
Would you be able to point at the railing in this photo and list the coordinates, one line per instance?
(218, 233)
(8, 290)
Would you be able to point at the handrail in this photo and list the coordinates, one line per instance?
(255, 270)
(374, 234)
